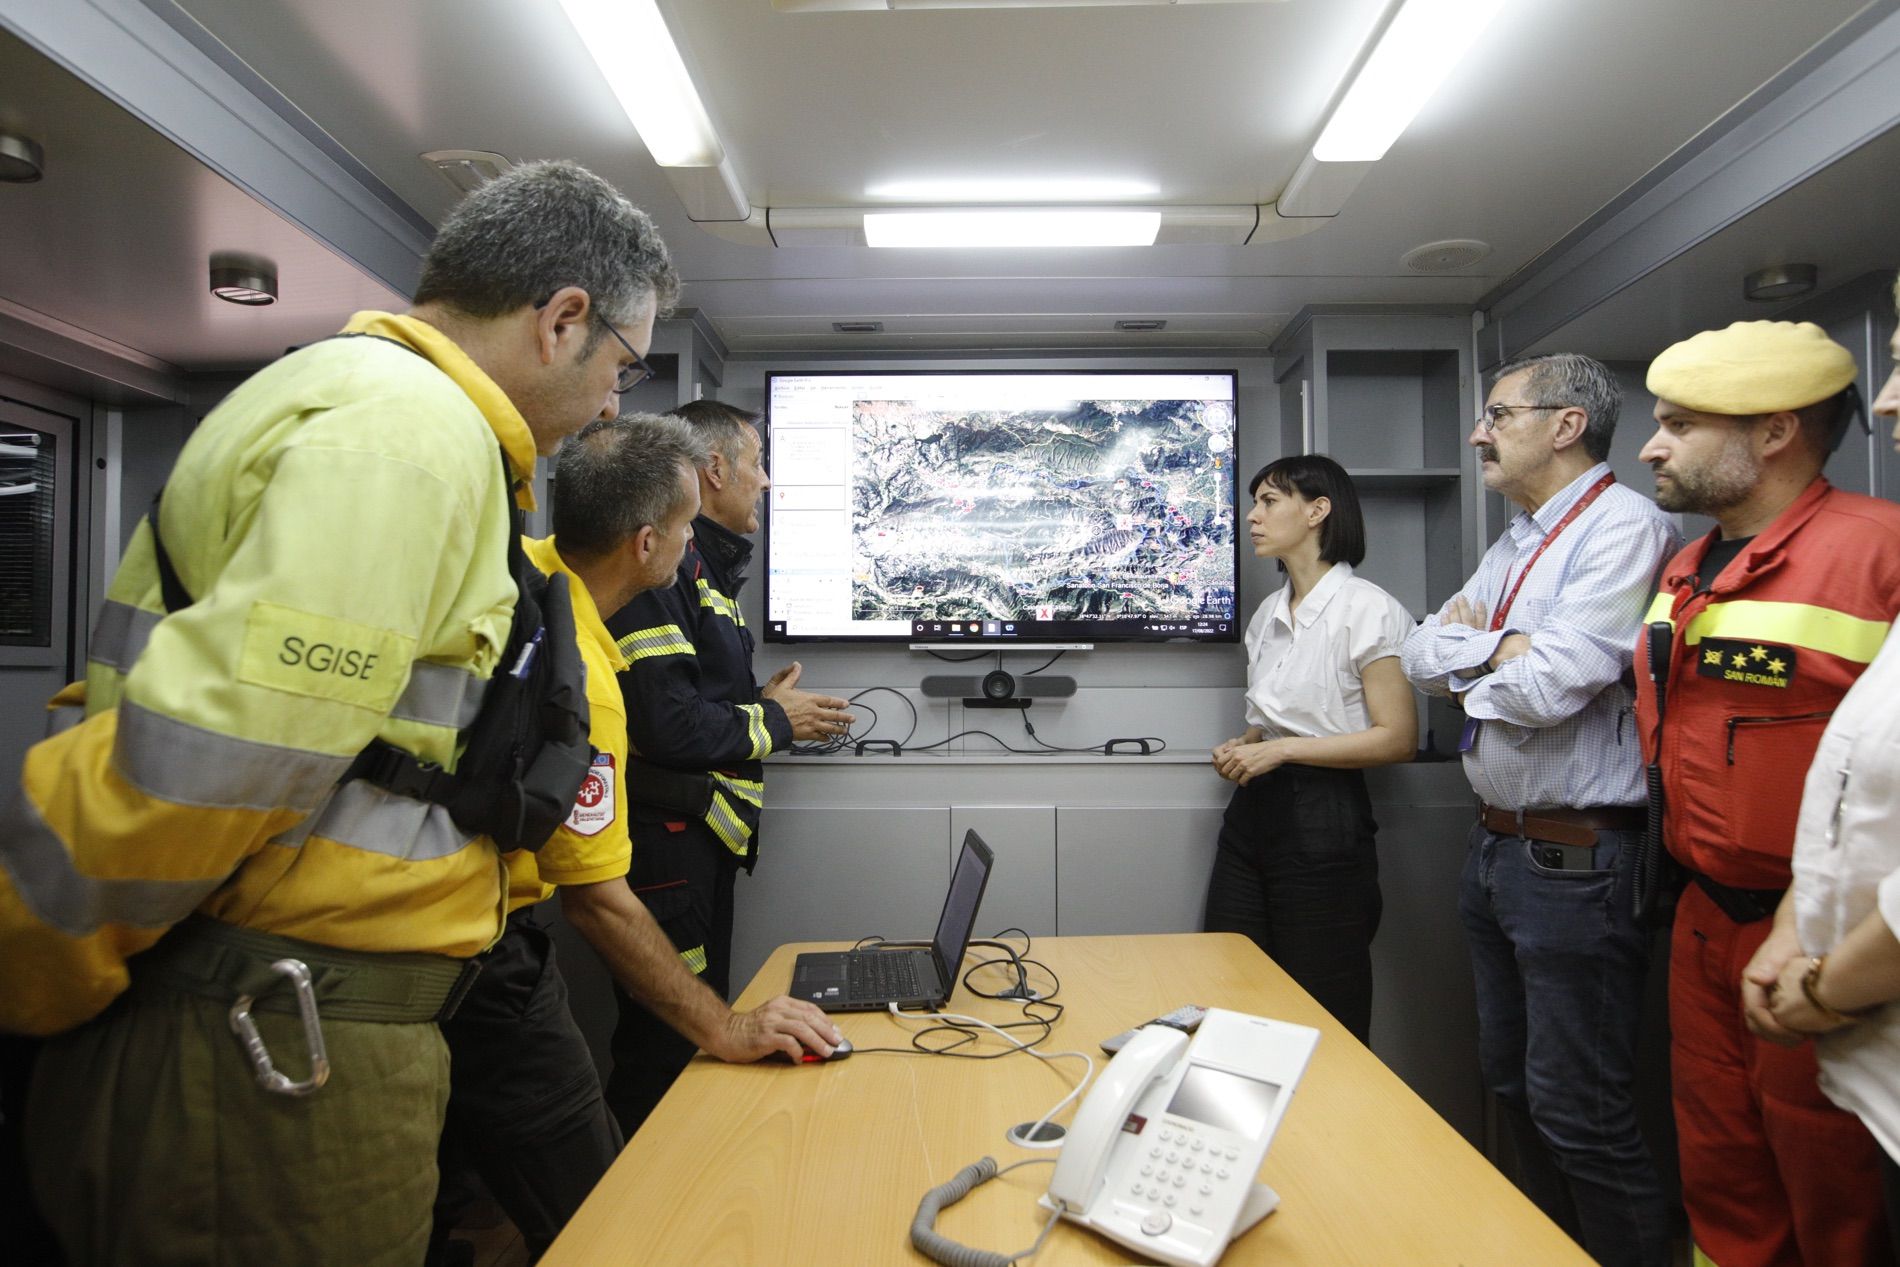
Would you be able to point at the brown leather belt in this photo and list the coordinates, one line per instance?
(1562, 826)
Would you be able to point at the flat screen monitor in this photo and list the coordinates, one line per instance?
(1001, 507)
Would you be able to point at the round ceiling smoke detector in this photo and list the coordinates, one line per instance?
(1443, 257)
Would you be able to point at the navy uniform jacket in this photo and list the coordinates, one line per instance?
(692, 702)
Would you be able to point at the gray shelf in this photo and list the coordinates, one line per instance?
(1385, 479)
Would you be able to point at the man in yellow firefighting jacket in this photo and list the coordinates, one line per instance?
(341, 524)
(525, 1106)
(701, 728)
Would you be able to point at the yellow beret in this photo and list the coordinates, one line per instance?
(1753, 367)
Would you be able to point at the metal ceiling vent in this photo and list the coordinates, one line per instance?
(1141, 325)
(1443, 257)
(858, 327)
(467, 170)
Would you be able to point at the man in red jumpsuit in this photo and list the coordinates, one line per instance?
(1771, 616)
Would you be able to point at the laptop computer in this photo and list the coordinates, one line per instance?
(871, 980)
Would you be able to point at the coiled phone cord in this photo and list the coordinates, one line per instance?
(937, 1247)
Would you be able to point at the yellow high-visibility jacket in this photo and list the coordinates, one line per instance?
(592, 845)
(341, 521)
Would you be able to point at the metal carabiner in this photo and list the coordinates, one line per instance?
(245, 1028)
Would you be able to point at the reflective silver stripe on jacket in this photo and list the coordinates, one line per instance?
(187, 765)
(62, 897)
(121, 634)
(364, 816)
(440, 695)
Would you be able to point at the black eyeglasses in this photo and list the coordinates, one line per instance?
(1491, 415)
(630, 376)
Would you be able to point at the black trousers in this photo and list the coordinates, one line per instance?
(1297, 872)
(525, 1104)
(686, 880)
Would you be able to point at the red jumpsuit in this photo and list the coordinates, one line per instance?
(1772, 1172)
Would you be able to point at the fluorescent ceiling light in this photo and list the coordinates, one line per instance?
(858, 6)
(992, 227)
(1412, 58)
(1000, 191)
(630, 43)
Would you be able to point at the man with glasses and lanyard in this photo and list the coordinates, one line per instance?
(1536, 648)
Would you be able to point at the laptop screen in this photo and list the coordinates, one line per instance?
(959, 908)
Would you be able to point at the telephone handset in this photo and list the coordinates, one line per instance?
(1163, 1153)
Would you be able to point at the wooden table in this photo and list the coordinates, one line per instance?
(824, 1164)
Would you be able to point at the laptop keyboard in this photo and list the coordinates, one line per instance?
(882, 974)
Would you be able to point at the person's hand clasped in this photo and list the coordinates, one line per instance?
(787, 1025)
(1243, 762)
(1771, 991)
(813, 716)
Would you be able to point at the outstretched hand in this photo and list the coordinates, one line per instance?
(813, 716)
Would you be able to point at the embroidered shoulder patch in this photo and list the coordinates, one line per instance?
(324, 657)
(593, 810)
(1749, 663)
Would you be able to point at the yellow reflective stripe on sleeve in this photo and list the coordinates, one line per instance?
(1660, 609)
(757, 731)
(183, 764)
(43, 874)
(648, 644)
(718, 603)
(750, 790)
(1796, 624)
(726, 824)
(694, 959)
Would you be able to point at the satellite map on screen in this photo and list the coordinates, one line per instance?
(1101, 510)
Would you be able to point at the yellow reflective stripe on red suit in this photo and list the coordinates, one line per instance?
(1803, 625)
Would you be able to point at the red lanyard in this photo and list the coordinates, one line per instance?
(1583, 504)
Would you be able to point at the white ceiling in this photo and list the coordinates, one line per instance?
(1559, 108)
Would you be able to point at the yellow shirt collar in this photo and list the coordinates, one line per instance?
(587, 621)
(510, 428)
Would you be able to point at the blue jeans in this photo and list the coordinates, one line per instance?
(1560, 966)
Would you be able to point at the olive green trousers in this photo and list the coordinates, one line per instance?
(149, 1140)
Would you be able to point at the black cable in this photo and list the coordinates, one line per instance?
(1045, 664)
(852, 738)
(955, 659)
(959, 1034)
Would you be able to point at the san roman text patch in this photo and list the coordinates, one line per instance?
(1748, 663)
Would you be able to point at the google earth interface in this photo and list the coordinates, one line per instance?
(998, 507)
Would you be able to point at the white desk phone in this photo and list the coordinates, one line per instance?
(1163, 1152)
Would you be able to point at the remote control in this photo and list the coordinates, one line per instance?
(1186, 1019)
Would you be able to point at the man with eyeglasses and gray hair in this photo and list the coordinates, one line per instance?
(1536, 649)
(198, 853)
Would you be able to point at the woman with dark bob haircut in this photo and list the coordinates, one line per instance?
(1296, 870)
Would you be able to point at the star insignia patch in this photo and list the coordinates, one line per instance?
(1747, 663)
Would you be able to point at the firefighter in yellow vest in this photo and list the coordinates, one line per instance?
(243, 959)
(526, 1106)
